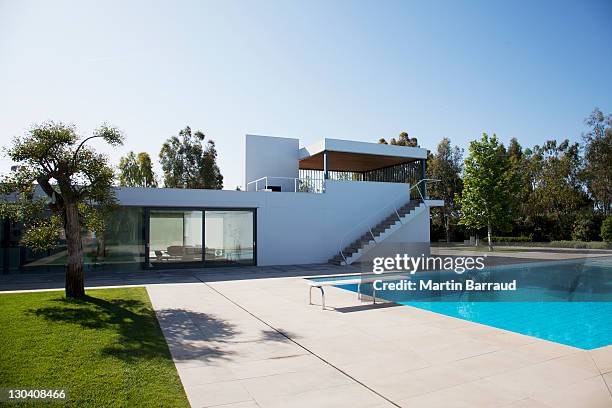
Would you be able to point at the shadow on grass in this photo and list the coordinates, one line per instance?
(190, 335)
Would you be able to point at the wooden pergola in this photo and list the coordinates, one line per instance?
(357, 162)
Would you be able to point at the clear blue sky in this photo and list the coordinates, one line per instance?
(344, 69)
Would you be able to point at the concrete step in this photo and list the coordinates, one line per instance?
(377, 230)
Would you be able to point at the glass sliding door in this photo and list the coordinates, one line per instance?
(229, 237)
(175, 236)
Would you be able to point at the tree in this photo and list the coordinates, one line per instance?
(587, 226)
(487, 186)
(446, 165)
(606, 229)
(523, 221)
(557, 195)
(598, 160)
(76, 184)
(188, 163)
(136, 171)
(402, 140)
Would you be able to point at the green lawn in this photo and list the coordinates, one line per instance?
(105, 350)
(486, 249)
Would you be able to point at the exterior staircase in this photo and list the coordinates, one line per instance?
(378, 233)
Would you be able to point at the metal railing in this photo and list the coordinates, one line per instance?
(415, 192)
(407, 173)
(287, 184)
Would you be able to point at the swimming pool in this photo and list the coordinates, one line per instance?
(568, 302)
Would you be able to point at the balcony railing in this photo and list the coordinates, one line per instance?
(288, 184)
(410, 173)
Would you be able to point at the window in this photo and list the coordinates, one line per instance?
(229, 236)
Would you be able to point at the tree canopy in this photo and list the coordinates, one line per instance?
(597, 172)
(556, 195)
(402, 140)
(446, 165)
(487, 186)
(188, 162)
(136, 171)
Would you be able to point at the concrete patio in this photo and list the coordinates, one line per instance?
(257, 343)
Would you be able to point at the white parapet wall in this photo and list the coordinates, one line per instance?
(272, 157)
(295, 228)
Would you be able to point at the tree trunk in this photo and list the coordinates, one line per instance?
(75, 285)
(101, 247)
(447, 228)
(490, 235)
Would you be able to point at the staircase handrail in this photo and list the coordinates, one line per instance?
(419, 190)
(378, 214)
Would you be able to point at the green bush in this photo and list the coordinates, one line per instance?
(555, 244)
(580, 244)
(586, 227)
(606, 229)
(509, 239)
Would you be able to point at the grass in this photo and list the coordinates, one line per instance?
(485, 249)
(104, 350)
(519, 246)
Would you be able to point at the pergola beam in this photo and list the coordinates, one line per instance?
(354, 162)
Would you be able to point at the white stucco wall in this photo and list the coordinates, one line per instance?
(295, 228)
(267, 156)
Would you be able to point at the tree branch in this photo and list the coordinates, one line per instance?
(50, 191)
(76, 152)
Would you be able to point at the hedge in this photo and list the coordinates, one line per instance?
(509, 239)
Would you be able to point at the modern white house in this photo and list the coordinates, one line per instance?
(334, 201)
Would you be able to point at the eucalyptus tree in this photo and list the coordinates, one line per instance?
(188, 162)
(403, 139)
(446, 165)
(136, 171)
(598, 160)
(59, 186)
(558, 195)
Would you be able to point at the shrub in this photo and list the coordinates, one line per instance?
(586, 227)
(557, 244)
(580, 244)
(606, 229)
(509, 239)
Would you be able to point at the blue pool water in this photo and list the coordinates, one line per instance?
(585, 325)
(568, 302)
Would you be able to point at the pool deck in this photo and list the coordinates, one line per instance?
(247, 337)
(257, 343)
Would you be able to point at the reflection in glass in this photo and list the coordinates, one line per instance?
(120, 247)
(229, 236)
(175, 236)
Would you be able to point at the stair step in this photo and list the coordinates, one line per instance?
(377, 230)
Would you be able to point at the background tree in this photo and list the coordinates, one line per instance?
(597, 171)
(557, 196)
(606, 229)
(523, 223)
(136, 171)
(587, 226)
(188, 163)
(76, 183)
(487, 186)
(446, 165)
(402, 140)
